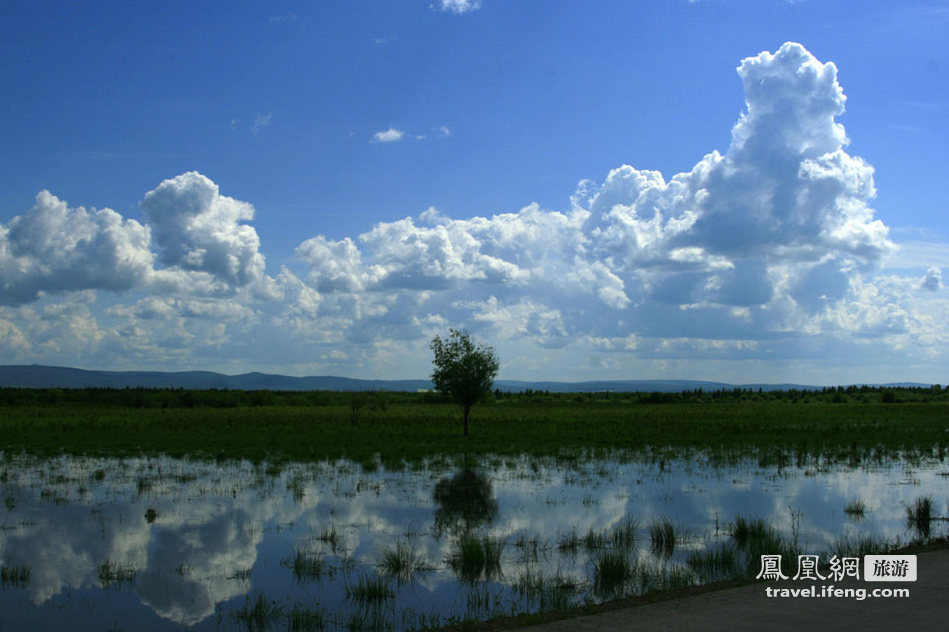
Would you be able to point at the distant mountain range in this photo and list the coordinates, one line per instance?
(38, 376)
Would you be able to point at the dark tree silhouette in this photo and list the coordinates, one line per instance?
(463, 370)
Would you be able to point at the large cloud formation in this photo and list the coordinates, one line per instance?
(769, 244)
(775, 229)
(52, 248)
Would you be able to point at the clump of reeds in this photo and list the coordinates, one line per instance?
(753, 538)
(332, 537)
(715, 564)
(402, 561)
(849, 546)
(476, 558)
(303, 619)
(371, 619)
(663, 537)
(919, 515)
(369, 590)
(548, 592)
(745, 531)
(14, 576)
(623, 535)
(856, 508)
(111, 572)
(259, 613)
(530, 547)
(612, 572)
(569, 544)
(305, 565)
(593, 540)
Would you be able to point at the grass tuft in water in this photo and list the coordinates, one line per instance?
(851, 546)
(476, 558)
(548, 592)
(371, 620)
(919, 515)
(305, 565)
(369, 590)
(623, 535)
(111, 572)
(332, 537)
(612, 572)
(402, 561)
(15, 576)
(303, 619)
(663, 537)
(259, 613)
(715, 564)
(856, 509)
(744, 532)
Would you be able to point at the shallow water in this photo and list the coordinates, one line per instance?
(162, 543)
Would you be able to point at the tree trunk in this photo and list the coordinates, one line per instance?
(467, 410)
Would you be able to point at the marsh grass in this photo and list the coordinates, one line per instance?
(858, 546)
(414, 427)
(856, 509)
(305, 565)
(303, 619)
(111, 573)
(369, 620)
(483, 602)
(652, 578)
(569, 544)
(715, 564)
(744, 531)
(594, 540)
(530, 548)
(663, 537)
(258, 613)
(768, 542)
(15, 576)
(612, 572)
(369, 590)
(547, 592)
(919, 515)
(623, 535)
(402, 561)
(476, 558)
(332, 537)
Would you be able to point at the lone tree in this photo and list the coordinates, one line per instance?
(463, 370)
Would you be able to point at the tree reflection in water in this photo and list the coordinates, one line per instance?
(463, 502)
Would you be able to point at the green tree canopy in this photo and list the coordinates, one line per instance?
(463, 370)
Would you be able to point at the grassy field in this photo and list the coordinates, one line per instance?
(396, 427)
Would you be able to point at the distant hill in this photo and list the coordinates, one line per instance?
(39, 376)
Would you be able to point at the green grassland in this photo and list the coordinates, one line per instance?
(854, 423)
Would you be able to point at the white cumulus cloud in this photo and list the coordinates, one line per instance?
(53, 248)
(198, 229)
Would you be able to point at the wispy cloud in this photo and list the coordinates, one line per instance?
(285, 18)
(390, 135)
(261, 121)
(459, 6)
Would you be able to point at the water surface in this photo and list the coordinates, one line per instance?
(166, 544)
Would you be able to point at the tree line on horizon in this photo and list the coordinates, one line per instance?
(380, 400)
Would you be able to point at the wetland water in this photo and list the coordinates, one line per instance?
(166, 544)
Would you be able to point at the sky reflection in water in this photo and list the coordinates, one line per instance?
(156, 544)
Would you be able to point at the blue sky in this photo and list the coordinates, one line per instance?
(320, 188)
